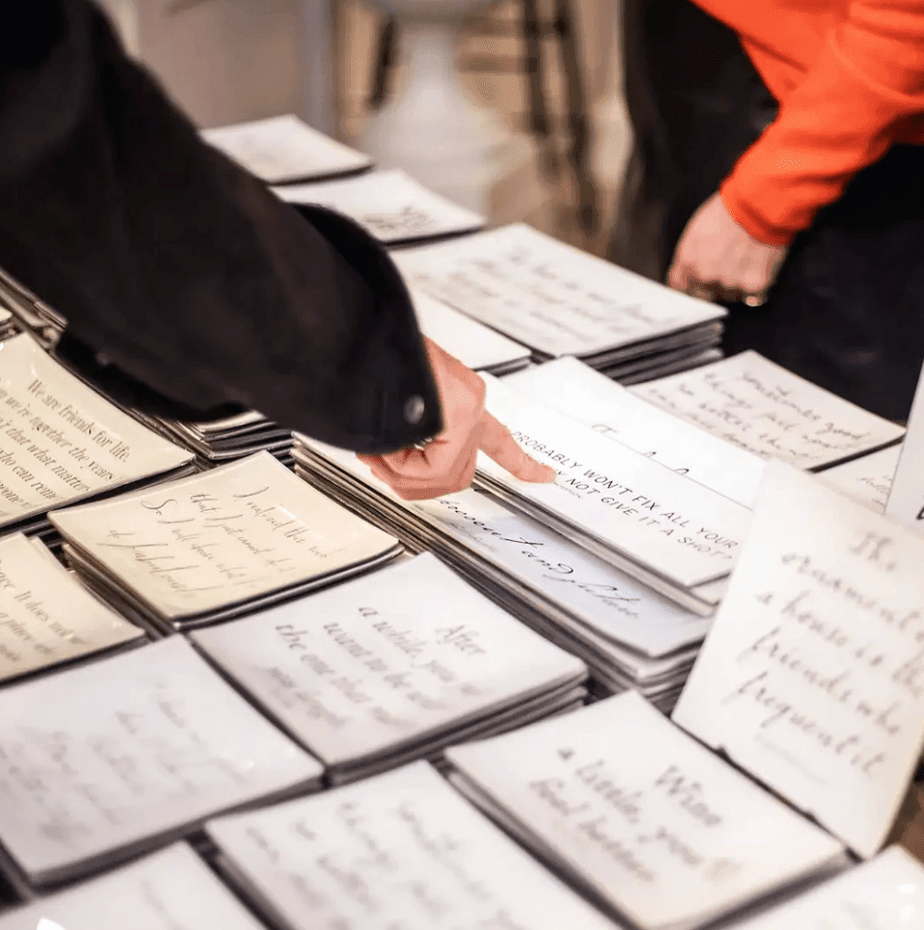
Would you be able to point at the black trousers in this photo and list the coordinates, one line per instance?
(847, 310)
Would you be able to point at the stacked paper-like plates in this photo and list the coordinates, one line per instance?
(627, 634)
(560, 301)
(394, 666)
(223, 543)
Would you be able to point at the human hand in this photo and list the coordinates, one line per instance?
(447, 464)
(717, 259)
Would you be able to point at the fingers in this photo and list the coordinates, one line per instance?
(702, 291)
(447, 464)
(725, 291)
(685, 277)
(681, 279)
(441, 469)
(497, 443)
(430, 486)
(717, 259)
(436, 461)
(678, 275)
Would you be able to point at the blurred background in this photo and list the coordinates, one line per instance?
(546, 73)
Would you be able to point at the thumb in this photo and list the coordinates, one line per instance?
(498, 443)
(677, 276)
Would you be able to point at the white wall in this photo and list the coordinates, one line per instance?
(226, 61)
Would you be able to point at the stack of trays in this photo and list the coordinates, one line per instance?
(223, 543)
(560, 301)
(674, 534)
(8, 326)
(473, 343)
(613, 411)
(27, 313)
(628, 635)
(388, 204)
(169, 889)
(63, 442)
(868, 478)
(103, 762)
(393, 667)
(226, 439)
(421, 854)
(48, 618)
(283, 149)
(606, 797)
(760, 406)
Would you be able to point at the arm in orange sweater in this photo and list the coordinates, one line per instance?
(851, 106)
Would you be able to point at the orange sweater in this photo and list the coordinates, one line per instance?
(849, 77)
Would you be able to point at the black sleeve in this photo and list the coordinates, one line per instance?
(181, 268)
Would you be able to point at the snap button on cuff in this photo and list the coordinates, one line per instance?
(414, 408)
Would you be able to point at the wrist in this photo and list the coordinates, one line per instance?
(758, 227)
